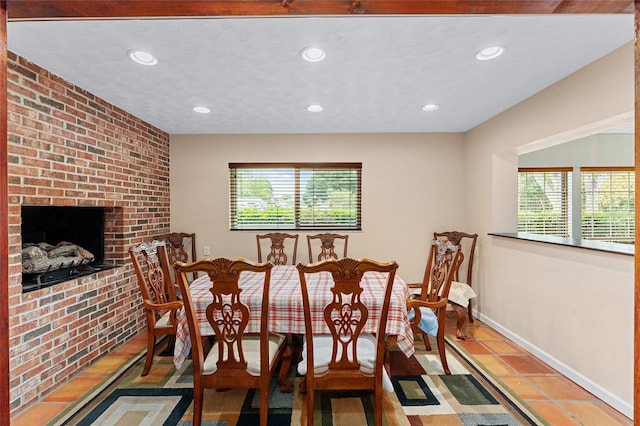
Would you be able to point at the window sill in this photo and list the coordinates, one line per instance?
(626, 249)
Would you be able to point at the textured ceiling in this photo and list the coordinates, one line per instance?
(378, 72)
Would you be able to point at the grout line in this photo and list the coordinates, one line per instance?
(71, 410)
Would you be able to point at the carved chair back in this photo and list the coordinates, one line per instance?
(442, 266)
(326, 243)
(467, 243)
(151, 264)
(279, 253)
(181, 246)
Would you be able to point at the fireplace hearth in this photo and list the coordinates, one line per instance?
(31, 282)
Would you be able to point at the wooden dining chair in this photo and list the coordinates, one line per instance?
(237, 359)
(336, 354)
(161, 305)
(181, 246)
(326, 244)
(462, 293)
(427, 313)
(279, 254)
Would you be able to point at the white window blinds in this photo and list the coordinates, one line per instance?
(289, 196)
(608, 204)
(544, 201)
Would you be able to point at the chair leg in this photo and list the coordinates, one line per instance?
(442, 351)
(198, 399)
(377, 408)
(264, 402)
(387, 357)
(286, 386)
(470, 312)
(310, 408)
(151, 345)
(461, 319)
(425, 338)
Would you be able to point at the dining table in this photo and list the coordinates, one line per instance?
(286, 315)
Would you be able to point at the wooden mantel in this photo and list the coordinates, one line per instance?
(75, 9)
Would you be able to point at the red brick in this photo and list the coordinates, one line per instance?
(79, 156)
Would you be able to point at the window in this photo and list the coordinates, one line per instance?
(608, 206)
(290, 196)
(544, 201)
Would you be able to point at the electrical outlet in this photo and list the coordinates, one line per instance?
(206, 251)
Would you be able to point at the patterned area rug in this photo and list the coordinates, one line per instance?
(423, 396)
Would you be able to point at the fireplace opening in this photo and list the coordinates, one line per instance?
(61, 243)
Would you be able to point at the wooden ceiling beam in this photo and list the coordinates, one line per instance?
(74, 9)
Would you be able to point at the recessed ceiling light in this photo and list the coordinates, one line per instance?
(202, 109)
(489, 53)
(430, 107)
(315, 108)
(313, 54)
(143, 58)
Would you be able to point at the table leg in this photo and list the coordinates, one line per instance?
(285, 384)
(387, 357)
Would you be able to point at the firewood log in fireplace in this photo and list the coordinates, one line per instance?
(44, 257)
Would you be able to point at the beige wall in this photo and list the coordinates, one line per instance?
(572, 307)
(411, 187)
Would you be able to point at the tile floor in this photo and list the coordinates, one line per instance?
(557, 399)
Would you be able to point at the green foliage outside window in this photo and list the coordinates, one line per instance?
(604, 227)
(607, 203)
(543, 202)
(608, 206)
(283, 216)
(540, 222)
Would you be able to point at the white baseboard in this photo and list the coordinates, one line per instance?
(606, 396)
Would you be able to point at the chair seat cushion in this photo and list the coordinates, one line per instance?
(163, 321)
(251, 347)
(460, 293)
(322, 347)
(428, 320)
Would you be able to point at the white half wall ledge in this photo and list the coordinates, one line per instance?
(603, 246)
(624, 119)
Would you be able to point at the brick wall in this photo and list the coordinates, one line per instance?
(68, 147)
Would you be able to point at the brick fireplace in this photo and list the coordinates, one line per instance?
(70, 148)
(61, 243)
